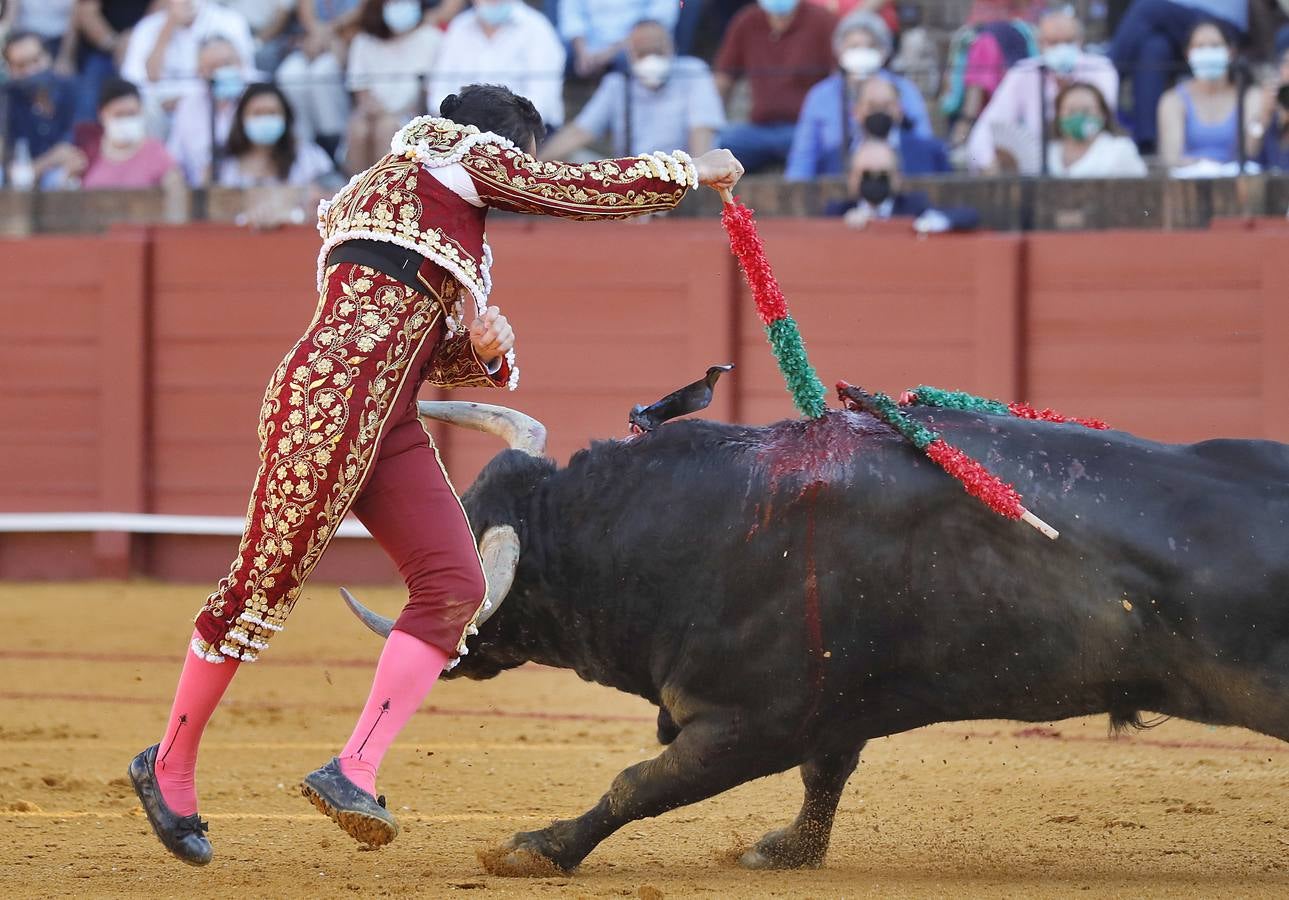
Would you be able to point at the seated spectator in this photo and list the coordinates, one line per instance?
(503, 42)
(1087, 143)
(998, 34)
(596, 30)
(1197, 118)
(270, 24)
(1021, 102)
(878, 111)
(48, 20)
(264, 149)
(673, 103)
(888, 10)
(1274, 123)
(394, 47)
(782, 48)
(1150, 45)
(161, 58)
(103, 30)
(875, 195)
(822, 139)
(220, 70)
(41, 106)
(126, 158)
(312, 76)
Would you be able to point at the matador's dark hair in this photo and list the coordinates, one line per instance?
(495, 108)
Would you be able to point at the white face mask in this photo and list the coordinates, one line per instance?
(124, 131)
(1209, 63)
(861, 62)
(652, 70)
(402, 15)
(1062, 58)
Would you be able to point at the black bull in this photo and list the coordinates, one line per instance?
(785, 593)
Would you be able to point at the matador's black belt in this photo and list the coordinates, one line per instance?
(397, 262)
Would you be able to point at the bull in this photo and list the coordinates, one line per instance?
(785, 593)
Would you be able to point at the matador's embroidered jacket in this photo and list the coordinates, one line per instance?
(372, 341)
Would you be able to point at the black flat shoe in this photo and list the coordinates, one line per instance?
(184, 836)
(359, 814)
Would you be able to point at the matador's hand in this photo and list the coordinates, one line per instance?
(491, 335)
(718, 169)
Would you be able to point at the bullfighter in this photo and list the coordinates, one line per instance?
(403, 280)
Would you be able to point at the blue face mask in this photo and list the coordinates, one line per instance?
(495, 14)
(402, 15)
(1209, 63)
(1062, 58)
(778, 7)
(227, 83)
(264, 130)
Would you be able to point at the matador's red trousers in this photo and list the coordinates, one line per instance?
(339, 432)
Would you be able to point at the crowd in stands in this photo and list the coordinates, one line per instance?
(300, 93)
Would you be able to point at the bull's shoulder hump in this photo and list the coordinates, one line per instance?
(1268, 459)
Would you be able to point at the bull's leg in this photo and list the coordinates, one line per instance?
(708, 756)
(804, 843)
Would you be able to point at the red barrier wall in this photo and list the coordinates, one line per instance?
(131, 365)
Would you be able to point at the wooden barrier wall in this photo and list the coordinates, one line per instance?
(131, 365)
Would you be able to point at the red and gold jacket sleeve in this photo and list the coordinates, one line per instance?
(509, 179)
(454, 364)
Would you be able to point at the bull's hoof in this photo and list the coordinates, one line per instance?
(520, 857)
(784, 849)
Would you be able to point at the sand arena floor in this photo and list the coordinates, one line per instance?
(991, 809)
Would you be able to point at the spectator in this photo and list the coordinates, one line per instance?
(312, 76)
(888, 10)
(161, 58)
(1020, 101)
(41, 106)
(596, 30)
(825, 132)
(126, 158)
(673, 103)
(783, 49)
(875, 195)
(394, 47)
(50, 21)
(503, 42)
(1197, 118)
(1275, 111)
(1087, 143)
(880, 116)
(220, 70)
(998, 34)
(270, 24)
(103, 30)
(1151, 43)
(265, 151)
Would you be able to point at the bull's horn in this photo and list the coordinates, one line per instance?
(520, 432)
(499, 550)
(375, 621)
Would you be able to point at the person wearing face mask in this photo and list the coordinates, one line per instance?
(1025, 98)
(874, 182)
(126, 157)
(881, 118)
(393, 49)
(673, 103)
(214, 100)
(503, 42)
(782, 48)
(1198, 118)
(161, 57)
(263, 148)
(41, 106)
(1151, 44)
(1087, 143)
(825, 130)
(596, 30)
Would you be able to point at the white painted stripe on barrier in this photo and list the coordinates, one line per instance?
(141, 523)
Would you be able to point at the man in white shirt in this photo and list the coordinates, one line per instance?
(502, 42)
(161, 58)
(1020, 107)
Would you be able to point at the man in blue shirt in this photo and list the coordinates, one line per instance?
(668, 102)
(41, 108)
(596, 30)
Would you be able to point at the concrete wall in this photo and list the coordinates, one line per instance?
(132, 364)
